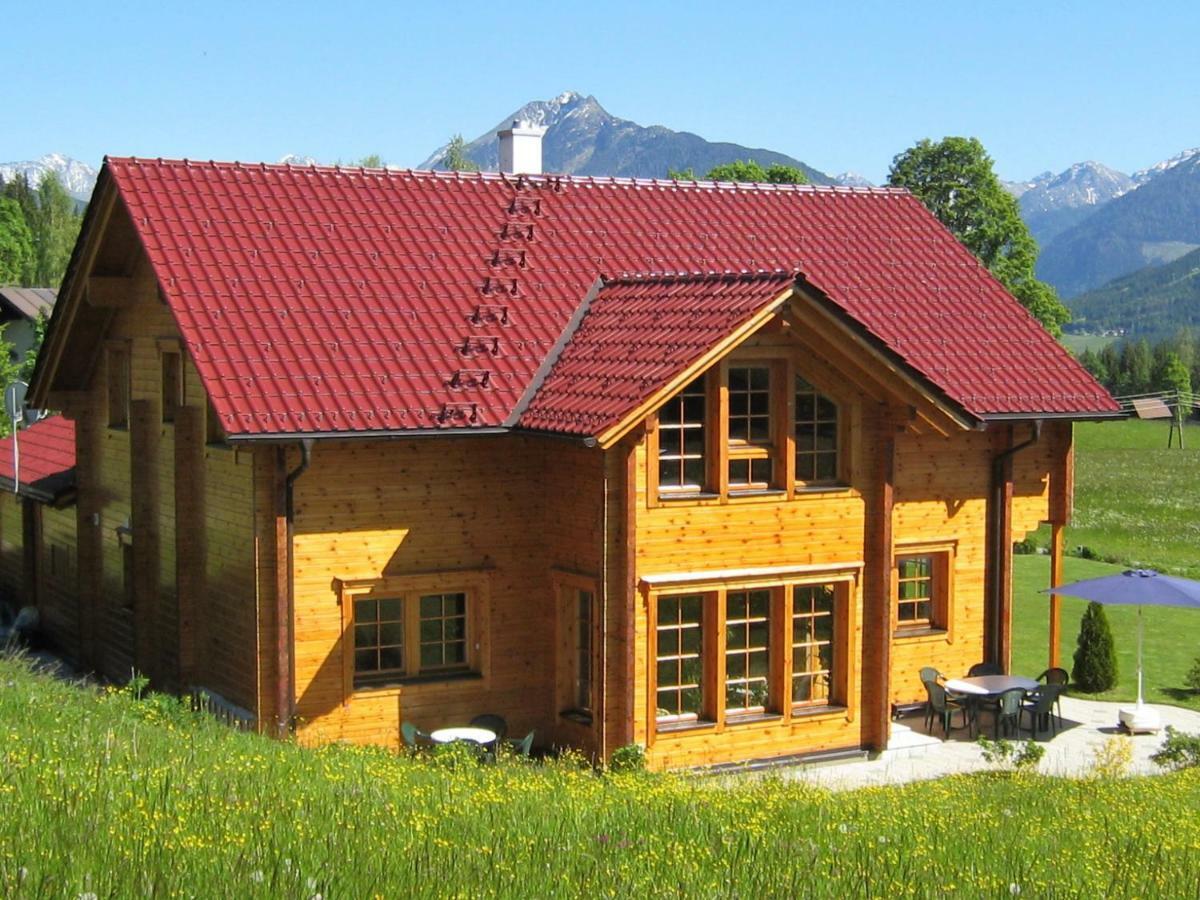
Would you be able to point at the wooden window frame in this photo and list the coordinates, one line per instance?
(839, 478)
(118, 378)
(721, 450)
(941, 622)
(844, 580)
(473, 584)
(706, 453)
(172, 396)
(567, 588)
(838, 670)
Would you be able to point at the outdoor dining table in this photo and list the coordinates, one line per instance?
(463, 733)
(990, 685)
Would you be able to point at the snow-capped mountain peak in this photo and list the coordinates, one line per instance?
(853, 179)
(1143, 175)
(77, 177)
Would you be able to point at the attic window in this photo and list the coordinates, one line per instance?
(118, 386)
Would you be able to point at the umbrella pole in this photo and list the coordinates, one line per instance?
(1139, 700)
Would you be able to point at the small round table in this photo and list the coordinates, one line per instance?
(464, 733)
(990, 685)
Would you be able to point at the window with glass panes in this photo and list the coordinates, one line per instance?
(378, 637)
(443, 630)
(750, 436)
(679, 643)
(812, 644)
(681, 437)
(583, 650)
(915, 589)
(816, 435)
(747, 650)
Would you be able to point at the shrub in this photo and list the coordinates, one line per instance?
(1085, 552)
(630, 758)
(1009, 755)
(1113, 758)
(1179, 750)
(1192, 678)
(1095, 657)
(1027, 546)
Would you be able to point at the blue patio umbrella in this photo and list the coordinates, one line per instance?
(1136, 587)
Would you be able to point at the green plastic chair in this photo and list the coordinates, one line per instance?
(415, 737)
(943, 707)
(523, 746)
(1008, 712)
(1040, 709)
(1060, 677)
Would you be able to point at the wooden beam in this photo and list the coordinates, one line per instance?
(120, 291)
(878, 611)
(1056, 578)
(190, 534)
(144, 430)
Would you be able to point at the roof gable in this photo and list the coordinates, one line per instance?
(326, 300)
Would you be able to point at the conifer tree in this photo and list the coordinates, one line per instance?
(1095, 657)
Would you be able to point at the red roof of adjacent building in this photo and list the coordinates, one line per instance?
(318, 300)
(47, 457)
(635, 336)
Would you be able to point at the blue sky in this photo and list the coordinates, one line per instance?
(838, 86)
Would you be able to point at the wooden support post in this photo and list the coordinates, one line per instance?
(1056, 578)
(190, 544)
(88, 556)
(144, 421)
(877, 592)
(283, 563)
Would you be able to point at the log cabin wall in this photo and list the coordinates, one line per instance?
(493, 517)
(12, 550)
(58, 606)
(164, 522)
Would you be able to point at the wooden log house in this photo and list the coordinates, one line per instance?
(710, 468)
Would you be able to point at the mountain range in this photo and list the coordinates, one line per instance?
(583, 138)
(1094, 223)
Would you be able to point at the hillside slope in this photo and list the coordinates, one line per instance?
(1157, 223)
(1152, 301)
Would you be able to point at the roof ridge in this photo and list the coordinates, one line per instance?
(701, 276)
(549, 179)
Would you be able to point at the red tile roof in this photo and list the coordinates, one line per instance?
(47, 457)
(320, 299)
(637, 334)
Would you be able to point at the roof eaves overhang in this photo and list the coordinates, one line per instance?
(290, 437)
(629, 420)
(1056, 416)
(55, 490)
(867, 340)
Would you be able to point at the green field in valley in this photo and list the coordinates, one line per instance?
(1137, 504)
(104, 795)
(1077, 343)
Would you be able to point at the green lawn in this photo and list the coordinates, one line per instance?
(1136, 502)
(1077, 343)
(105, 796)
(1172, 636)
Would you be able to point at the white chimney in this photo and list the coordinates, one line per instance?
(521, 148)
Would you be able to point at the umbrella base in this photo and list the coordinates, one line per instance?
(1139, 719)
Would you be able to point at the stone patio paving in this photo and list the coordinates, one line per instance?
(914, 755)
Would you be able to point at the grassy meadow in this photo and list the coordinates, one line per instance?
(1136, 505)
(104, 795)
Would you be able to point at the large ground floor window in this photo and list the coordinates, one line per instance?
(731, 653)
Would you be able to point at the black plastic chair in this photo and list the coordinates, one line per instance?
(494, 724)
(929, 673)
(943, 706)
(1039, 706)
(984, 668)
(1008, 712)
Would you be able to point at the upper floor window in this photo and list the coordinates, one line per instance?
(118, 387)
(681, 439)
(750, 451)
(816, 434)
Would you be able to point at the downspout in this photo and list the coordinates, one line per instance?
(285, 599)
(998, 523)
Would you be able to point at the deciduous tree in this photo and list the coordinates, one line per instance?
(955, 180)
(16, 243)
(455, 158)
